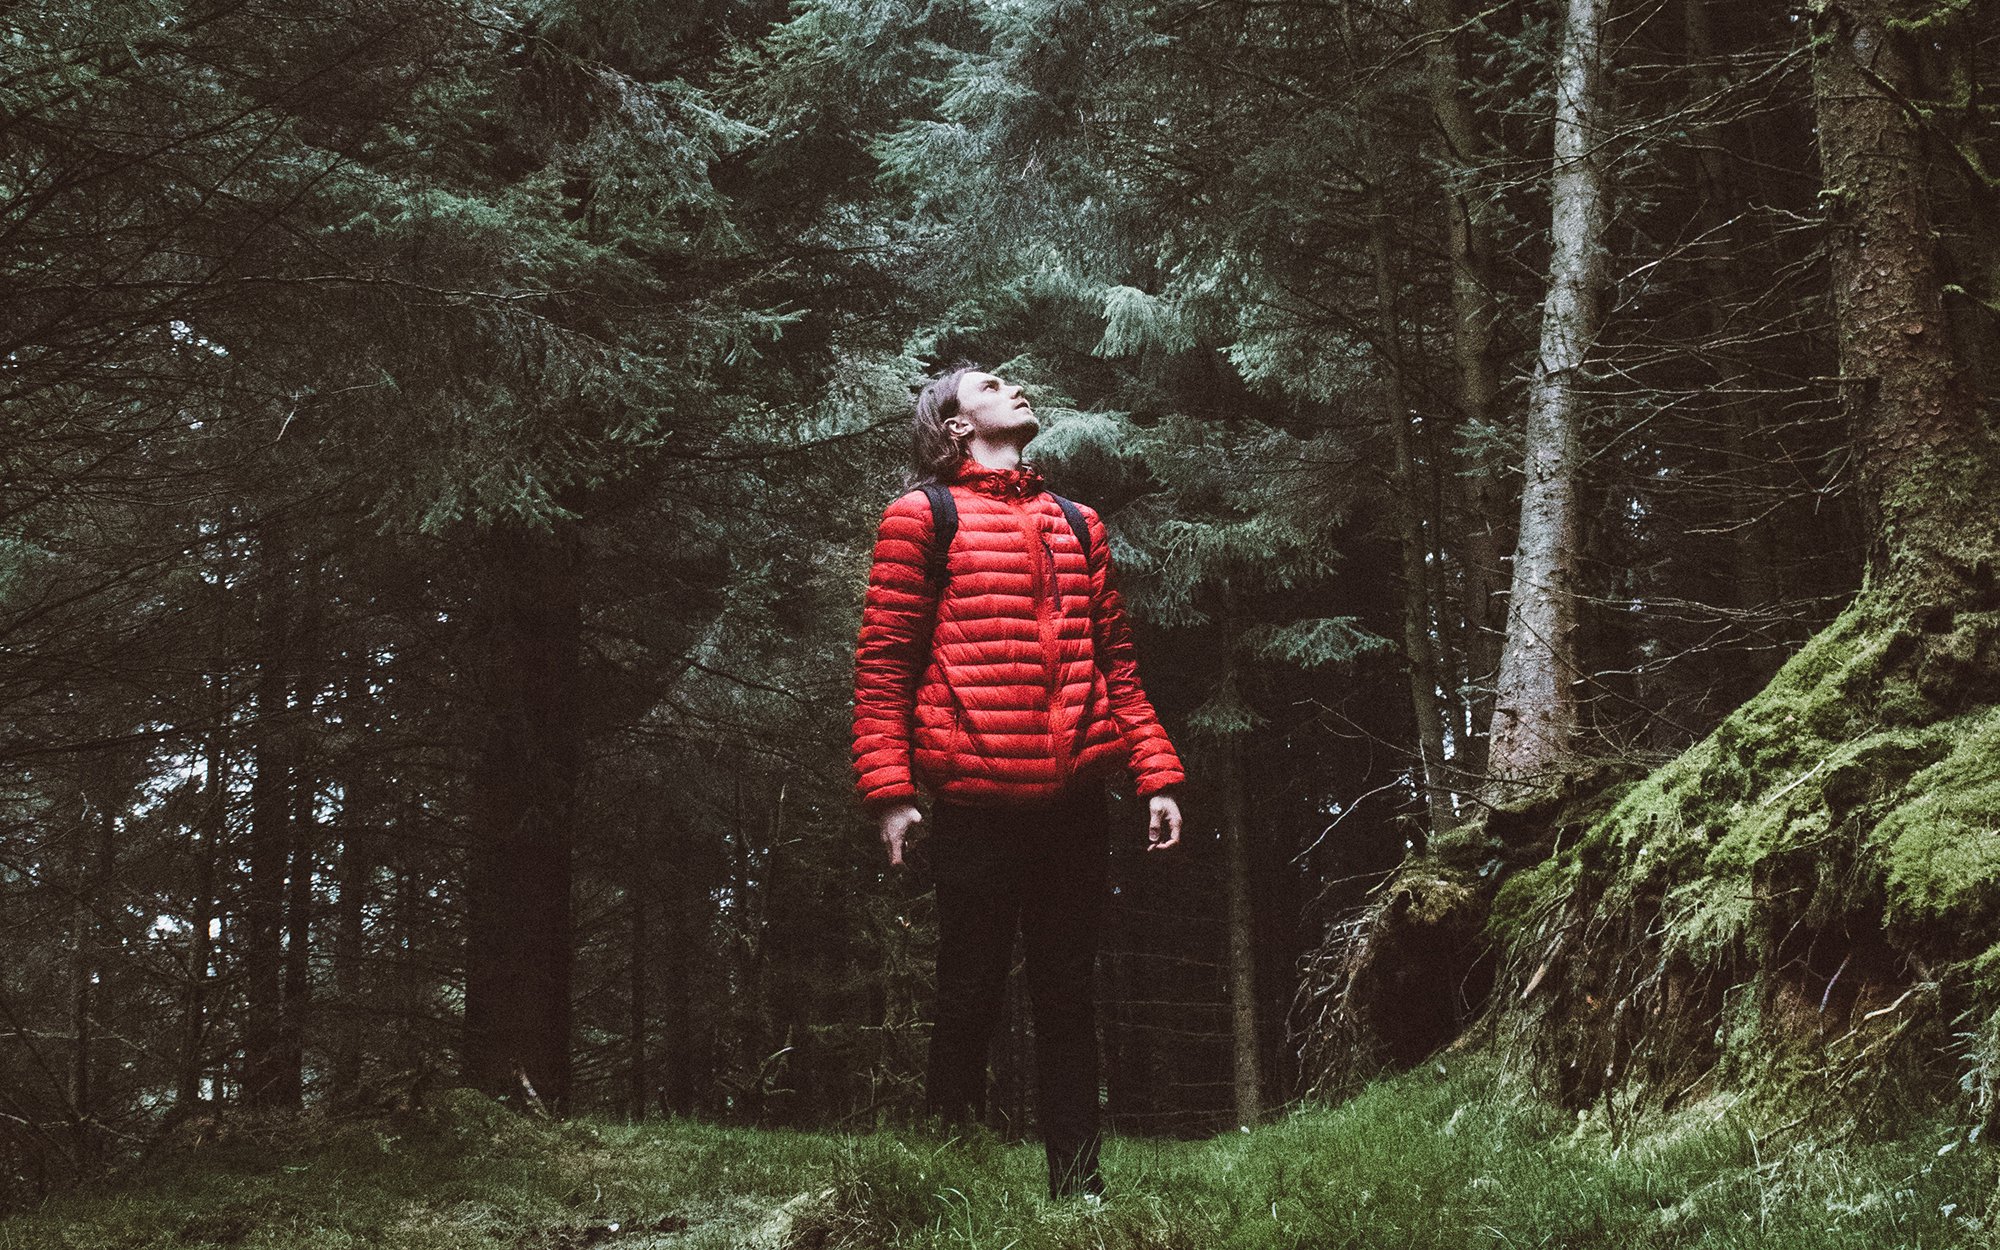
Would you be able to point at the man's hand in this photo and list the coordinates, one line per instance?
(1165, 830)
(896, 824)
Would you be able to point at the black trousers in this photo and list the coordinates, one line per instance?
(1045, 869)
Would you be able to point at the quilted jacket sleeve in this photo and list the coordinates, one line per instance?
(891, 656)
(1154, 762)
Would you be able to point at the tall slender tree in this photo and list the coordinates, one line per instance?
(1535, 703)
(1469, 205)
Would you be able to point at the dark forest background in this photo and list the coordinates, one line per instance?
(441, 445)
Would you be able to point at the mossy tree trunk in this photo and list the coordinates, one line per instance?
(1923, 461)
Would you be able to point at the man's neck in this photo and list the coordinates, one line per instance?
(995, 454)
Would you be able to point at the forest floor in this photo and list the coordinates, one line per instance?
(1442, 1157)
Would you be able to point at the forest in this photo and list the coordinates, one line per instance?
(1548, 452)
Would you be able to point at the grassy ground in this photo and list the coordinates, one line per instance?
(1427, 1160)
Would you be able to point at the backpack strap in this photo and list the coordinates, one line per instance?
(1078, 526)
(944, 527)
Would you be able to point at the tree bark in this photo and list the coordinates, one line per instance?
(520, 928)
(1475, 319)
(638, 889)
(1535, 708)
(264, 1076)
(354, 877)
(206, 845)
(684, 922)
(1247, 1084)
(1419, 639)
(1749, 545)
(87, 970)
(1923, 461)
(764, 896)
(297, 988)
(1118, 1102)
(357, 870)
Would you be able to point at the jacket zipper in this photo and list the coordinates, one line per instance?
(1045, 611)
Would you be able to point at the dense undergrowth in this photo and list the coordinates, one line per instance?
(1441, 1157)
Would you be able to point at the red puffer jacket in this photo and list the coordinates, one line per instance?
(1024, 687)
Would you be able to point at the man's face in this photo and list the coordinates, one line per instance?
(991, 408)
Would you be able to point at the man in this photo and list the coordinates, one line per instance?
(1010, 694)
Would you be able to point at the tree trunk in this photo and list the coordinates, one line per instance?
(209, 839)
(79, 985)
(1248, 1083)
(764, 896)
(743, 1012)
(1535, 708)
(520, 929)
(264, 1083)
(1951, 57)
(87, 966)
(298, 928)
(1721, 289)
(357, 870)
(1924, 464)
(1475, 316)
(639, 956)
(360, 817)
(1419, 640)
(1118, 1082)
(685, 915)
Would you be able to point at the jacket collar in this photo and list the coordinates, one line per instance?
(1018, 482)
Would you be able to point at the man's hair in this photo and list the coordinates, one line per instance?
(934, 453)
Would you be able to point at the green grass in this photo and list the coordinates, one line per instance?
(1426, 1160)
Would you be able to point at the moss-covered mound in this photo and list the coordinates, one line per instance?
(1811, 890)
(1416, 967)
(1403, 978)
